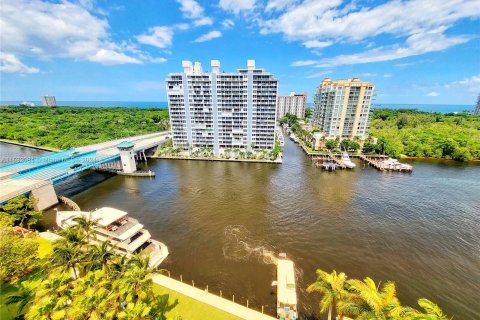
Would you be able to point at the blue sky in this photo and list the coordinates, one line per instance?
(417, 51)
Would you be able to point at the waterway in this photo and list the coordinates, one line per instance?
(223, 221)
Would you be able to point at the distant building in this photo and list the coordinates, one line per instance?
(341, 108)
(295, 104)
(49, 101)
(477, 109)
(222, 110)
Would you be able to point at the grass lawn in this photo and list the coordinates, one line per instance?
(191, 309)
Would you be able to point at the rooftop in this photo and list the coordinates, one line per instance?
(125, 145)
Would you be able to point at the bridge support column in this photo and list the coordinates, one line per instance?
(127, 157)
(46, 196)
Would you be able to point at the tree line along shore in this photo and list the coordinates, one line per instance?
(396, 131)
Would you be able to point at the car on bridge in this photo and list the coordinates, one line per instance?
(75, 166)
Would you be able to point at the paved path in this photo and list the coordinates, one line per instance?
(210, 299)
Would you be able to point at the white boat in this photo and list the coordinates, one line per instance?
(346, 160)
(126, 235)
(286, 289)
(394, 164)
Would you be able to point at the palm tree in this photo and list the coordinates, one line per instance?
(21, 298)
(332, 287)
(432, 311)
(99, 255)
(86, 223)
(371, 303)
(73, 235)
(67, 256)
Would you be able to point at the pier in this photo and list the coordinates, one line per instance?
(328, 162)
(286, 289)
(383, 163)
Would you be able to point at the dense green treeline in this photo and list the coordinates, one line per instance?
(423, 134)
(66, 127)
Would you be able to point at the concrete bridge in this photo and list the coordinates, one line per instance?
(38, 175)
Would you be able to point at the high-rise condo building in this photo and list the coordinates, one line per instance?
(222, 110)
(49, 101)
(295, 104)
(341, 108)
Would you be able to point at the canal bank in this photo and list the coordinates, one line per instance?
(222, 220)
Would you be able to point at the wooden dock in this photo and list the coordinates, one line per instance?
(328, 162)
(382, 163)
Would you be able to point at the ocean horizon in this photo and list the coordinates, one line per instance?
(441, 108)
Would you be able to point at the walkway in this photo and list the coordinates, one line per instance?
(210, 299)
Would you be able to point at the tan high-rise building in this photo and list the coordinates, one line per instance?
(341, 108)
(295, 104)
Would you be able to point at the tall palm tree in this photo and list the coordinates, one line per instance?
(67, 256)
(332, 287)
(99, 256)
(73, 235)
(371, 302)
(87, 224)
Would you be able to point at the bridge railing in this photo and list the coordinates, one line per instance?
(44, 160)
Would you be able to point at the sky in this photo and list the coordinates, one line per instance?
(414, 51)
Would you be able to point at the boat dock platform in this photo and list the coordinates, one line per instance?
(286, 289)
(328, 162)
(383, 163)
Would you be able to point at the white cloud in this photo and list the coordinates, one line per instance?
(387, 75)
(317, 44)
(433, 94)
(47, 30)
(318, 74)
(209, 36)
(302, 63)
(416, 44)
(413, 20)
(236, 6)
(205, 21)
(278, 4)
(160, 37)
(106, 56)
(158, 60)
(227, 23)
(182, 26)
(192, 10)
(368, 74)
(11, 64)
(472, 84)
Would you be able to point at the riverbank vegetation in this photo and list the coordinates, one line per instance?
(424, 134)
(168, 150)
(67, 127)
(364, 299)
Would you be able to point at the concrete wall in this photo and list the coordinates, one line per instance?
(46, 196)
